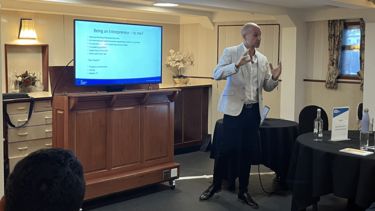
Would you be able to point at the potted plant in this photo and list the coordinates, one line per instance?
(178, 61)
(26, 81)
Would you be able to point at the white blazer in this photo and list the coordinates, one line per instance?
(233, 96)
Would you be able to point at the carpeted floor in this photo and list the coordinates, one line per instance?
(194, 167)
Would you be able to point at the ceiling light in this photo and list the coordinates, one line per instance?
(165, 4)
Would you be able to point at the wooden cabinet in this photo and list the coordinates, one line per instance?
(191, 116)
(124, 140)
(36, 134)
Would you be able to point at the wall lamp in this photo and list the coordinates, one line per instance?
(27, 29)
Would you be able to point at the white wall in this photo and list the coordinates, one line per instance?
(317, 50)
(288, 75)
(201, 43)
(369, 85)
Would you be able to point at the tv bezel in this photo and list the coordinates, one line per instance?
(121, 23)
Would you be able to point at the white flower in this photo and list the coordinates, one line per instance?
(177, 61)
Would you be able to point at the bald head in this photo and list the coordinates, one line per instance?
(248, 27)
(251, 35)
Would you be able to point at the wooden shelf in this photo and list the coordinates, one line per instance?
(44, 51)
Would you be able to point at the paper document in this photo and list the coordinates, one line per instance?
(264, 114)
(356, 151)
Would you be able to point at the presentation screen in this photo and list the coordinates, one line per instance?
(107, 53)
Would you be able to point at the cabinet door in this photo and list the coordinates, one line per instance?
(157, 133)
(192, 114)
(89, 138)
(178, 112)
(124, 131)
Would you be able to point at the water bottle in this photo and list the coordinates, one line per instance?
(364, 132)
(371, 141)
(318, 126)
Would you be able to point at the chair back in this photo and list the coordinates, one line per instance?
(359, 111)
(307, 116)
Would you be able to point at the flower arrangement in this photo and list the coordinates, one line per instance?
(26, 80)
(178, 61)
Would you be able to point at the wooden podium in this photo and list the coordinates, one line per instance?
(124, 140)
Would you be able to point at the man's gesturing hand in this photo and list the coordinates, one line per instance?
(244, 59)
(276, 72)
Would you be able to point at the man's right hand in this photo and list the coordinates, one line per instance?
(244, 59)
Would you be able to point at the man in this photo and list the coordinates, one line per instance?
(45, 180)
(247, 73)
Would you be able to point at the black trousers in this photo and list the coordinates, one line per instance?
(240, 147)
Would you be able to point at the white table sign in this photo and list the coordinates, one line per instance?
(340, 124)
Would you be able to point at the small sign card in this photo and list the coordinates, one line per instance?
(356, 151)
(340, 124)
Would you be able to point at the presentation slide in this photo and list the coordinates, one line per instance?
(117, 53)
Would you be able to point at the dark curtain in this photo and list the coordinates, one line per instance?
(335, 29)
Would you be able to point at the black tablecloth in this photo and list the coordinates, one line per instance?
(277, 139)
(318, 168)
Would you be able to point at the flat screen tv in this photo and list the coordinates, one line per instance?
(107, 53)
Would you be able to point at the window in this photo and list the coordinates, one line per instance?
(350, 50)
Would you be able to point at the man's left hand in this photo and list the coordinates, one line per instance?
(276, 72)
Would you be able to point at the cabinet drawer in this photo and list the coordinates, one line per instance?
(23, 108)
(18, 108)
(37, 118)
(29, 133)
(23, 148)
(44, 105)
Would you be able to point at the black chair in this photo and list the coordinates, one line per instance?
(307, 116)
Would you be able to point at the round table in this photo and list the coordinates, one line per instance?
(277, 137)
(319, 168)
(277, 140)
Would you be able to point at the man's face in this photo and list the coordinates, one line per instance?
(253, 38)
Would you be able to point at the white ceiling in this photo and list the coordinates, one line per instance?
(313, 3)
(211, 10)
(244, 4)
(229, 4)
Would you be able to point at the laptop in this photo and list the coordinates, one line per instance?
(266, 110)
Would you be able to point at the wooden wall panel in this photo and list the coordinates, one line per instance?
(124, 130)
(90, 139)
(59, 127)
(156, 124)
(178, 120)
